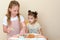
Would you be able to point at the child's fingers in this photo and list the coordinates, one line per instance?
(9, 30)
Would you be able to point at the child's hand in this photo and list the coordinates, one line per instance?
(22, 32)
(16, 36)
(8, 30)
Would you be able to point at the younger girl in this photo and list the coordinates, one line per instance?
(33, 26)
(13, 22)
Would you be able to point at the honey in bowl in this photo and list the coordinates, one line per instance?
(31, 36)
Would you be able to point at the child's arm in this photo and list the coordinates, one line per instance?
(23, 28)
(41, 31)
(42, 34)
(27, 31)
(6, 29)
(22, 25)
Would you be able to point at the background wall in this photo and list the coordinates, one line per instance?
(48, 11)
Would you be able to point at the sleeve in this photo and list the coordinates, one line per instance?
(5, 21)
(21, 18)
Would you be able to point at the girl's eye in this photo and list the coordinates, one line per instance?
(14, 10)
(31, 18)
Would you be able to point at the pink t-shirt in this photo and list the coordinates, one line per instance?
(15, 26)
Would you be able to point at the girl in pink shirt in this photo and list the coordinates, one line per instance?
(13, 22)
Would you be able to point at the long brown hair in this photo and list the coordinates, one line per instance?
(12, 3)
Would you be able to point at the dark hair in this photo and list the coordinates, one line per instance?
(34, 14)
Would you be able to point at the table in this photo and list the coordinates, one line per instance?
(26, 39)
(23, 38)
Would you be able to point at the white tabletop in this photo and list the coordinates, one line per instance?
(22, 38)
(26, 39)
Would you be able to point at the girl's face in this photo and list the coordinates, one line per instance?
(14, 10)
(31, 19)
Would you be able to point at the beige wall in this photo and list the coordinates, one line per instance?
(49, 15)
